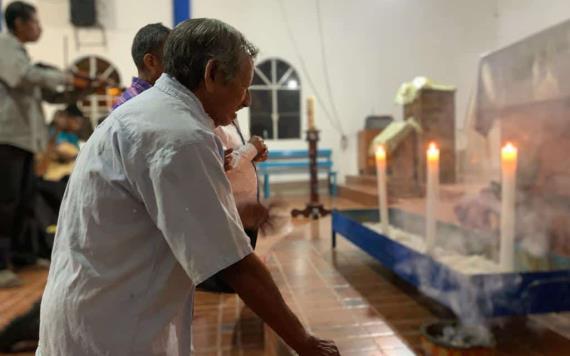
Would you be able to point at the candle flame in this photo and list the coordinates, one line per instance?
(509, 152)
(433, 152)
(380, 153)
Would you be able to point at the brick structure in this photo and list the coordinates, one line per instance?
(434, 110)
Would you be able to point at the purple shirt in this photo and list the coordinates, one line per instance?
(137, 86)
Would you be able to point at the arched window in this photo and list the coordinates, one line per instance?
(96, 105)
(275, 111)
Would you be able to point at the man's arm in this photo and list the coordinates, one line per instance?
(66, 97)
(17, 70)
(252, 281)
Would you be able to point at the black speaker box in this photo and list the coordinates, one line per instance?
(83, 13)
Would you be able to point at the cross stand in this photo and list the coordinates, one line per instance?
(313, 209)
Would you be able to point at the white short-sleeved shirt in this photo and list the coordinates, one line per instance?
(147, 215)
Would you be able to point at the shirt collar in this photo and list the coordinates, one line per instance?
(173, 87)
(15, 39)
(141, 83)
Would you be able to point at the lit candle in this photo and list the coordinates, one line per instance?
(508, 189)
(432, 195)
(382, 195)
(311, 112)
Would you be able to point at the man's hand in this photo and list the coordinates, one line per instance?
(278, 218)
(316, 346)
(261, 148)
(252, 281)
(83, 83)
(258, 143)
(228, 158)
(252, 214)
(262, 157)
(79, 81)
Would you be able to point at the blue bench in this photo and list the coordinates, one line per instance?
(296, 161)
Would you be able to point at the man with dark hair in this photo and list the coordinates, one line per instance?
(149, 214)
(23, 131)
(147, 54)
(19, 11)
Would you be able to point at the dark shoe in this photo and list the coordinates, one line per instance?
(22, 333)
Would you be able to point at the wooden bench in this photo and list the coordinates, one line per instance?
(295, 161)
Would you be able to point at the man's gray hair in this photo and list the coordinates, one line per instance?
(194, 42)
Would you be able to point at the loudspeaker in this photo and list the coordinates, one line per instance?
(83, 13)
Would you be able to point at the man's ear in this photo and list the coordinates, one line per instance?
(210, 73)
(149, 60)
(18, 24)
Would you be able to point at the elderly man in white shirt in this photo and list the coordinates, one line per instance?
(148, 214)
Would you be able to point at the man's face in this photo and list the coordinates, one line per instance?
(30, 30)
(74, 124)
(225, 99)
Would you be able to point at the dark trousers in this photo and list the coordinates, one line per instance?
(215, 283)
(25, 327)
(48, 201)
(52, 192)
(16, 201)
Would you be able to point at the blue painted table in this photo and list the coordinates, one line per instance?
(487, 295)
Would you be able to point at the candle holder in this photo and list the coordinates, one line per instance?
(313, 208)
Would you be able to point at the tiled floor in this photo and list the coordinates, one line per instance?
(326, 302)
(347, 296)
(341, 294)
(15, 301)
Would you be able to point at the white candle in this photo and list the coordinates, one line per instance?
(432, 195)
(311, 112)
(508, 189)
(382, 195)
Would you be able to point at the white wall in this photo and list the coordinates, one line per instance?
(120, 18)
(372, 46)
(521, 18)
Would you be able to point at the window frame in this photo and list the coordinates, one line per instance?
(274, 85)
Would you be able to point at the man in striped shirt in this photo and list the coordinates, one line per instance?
(147, 55)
